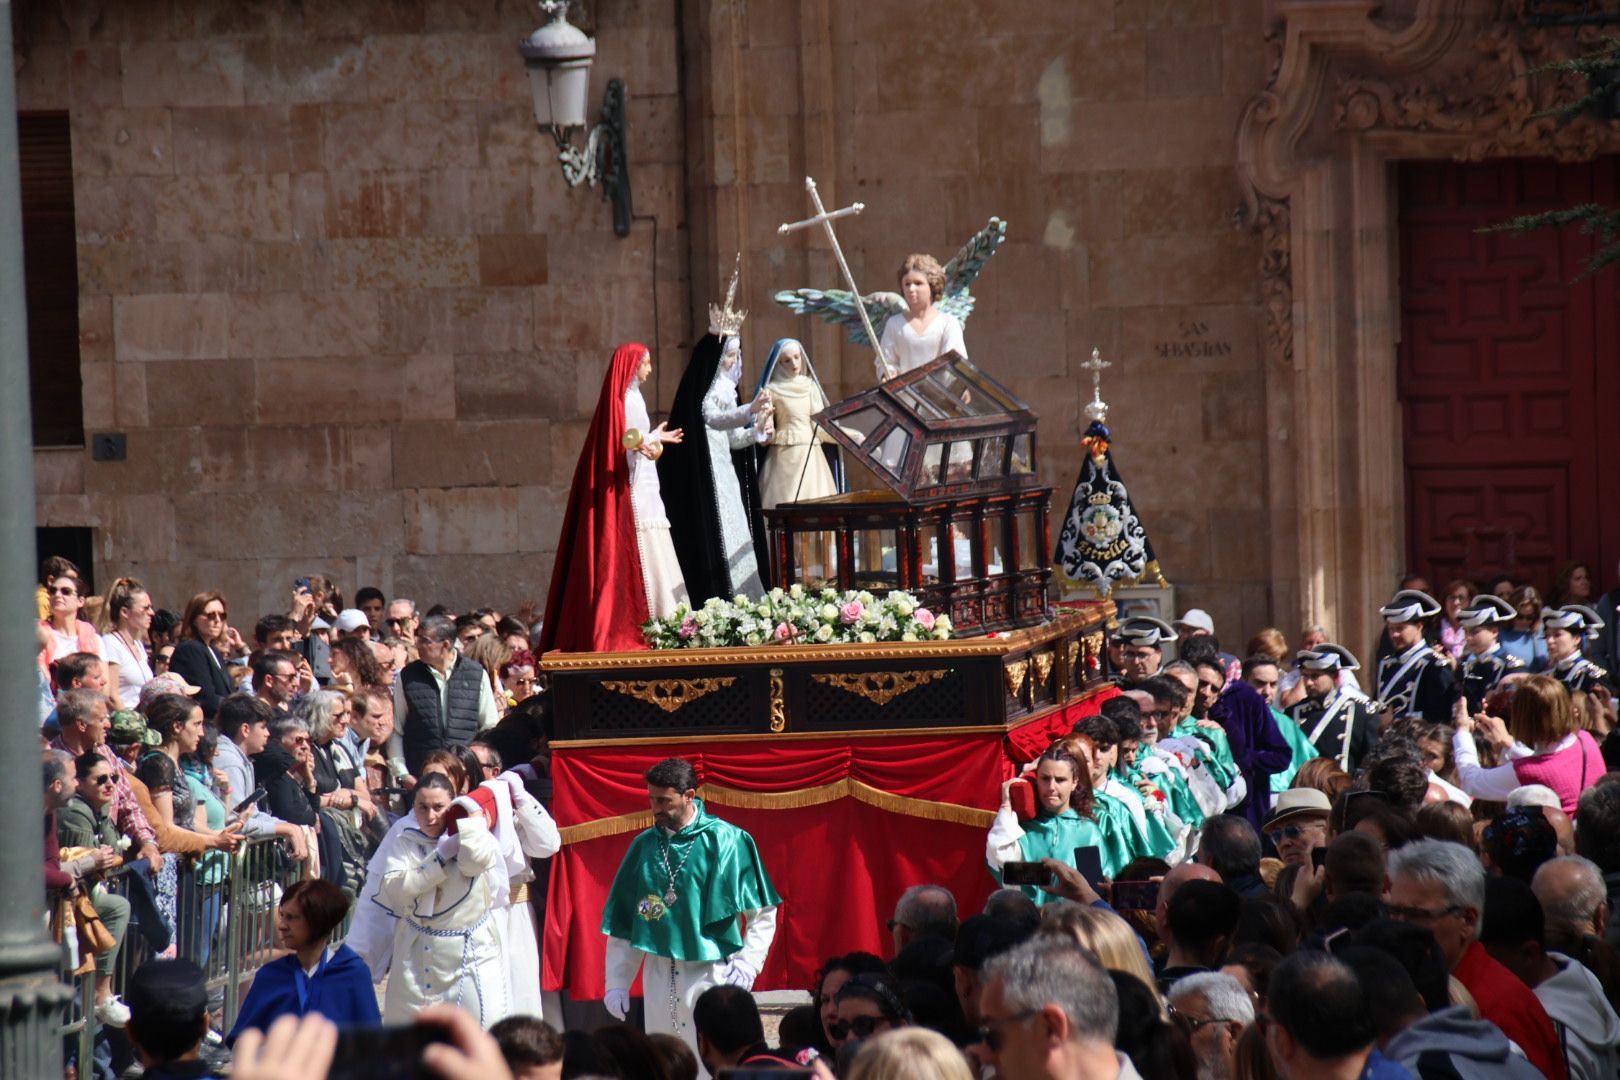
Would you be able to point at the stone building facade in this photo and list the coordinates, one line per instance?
(336, 293)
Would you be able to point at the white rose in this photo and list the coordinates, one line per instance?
(902, 607)
(908, 636)
(867, 637)
(829, 612)
(797, 591)
(824, 633)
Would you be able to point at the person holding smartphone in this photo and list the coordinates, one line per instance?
(1061, 823)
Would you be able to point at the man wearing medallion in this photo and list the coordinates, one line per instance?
(673, 910)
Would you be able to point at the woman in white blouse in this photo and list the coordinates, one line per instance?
(127, 610)
(925, 331)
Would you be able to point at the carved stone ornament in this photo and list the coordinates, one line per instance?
(881, 687)
(670, 695)
(1353, 87)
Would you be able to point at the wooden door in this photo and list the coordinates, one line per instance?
(1508, 373)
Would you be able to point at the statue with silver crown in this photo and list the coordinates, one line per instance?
(711, 492)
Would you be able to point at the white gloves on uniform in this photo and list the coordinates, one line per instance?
(738, 972)
(449, 846)
(617, 1002)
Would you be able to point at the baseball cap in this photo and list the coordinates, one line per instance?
(1197, 619)
(350, 619)
(167, 683)
(128, 726)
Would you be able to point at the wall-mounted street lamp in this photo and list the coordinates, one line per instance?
(558, 56)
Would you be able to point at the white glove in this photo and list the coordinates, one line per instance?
(617, 1002)
(520, 793)
(738, 972)
(449, 846)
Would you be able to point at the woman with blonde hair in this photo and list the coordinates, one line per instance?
(909, 1053)
(1326, 775)
(1548, 747)
(493, 654)
(1103, 933)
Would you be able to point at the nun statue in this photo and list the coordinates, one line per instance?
(800, 458)
(713, 504)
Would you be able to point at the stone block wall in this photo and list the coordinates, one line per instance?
(337, 293)
(1102, 131)
(334, 287)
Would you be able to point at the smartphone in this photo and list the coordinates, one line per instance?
(1136, 895)
(1088, 860)
(302, 584)
(1319, 857)
(385, 1053)
(252, 800)
(1027, 873)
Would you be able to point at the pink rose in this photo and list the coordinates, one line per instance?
(852, 612)
(925, 618)
(688, 628)
(785, 632)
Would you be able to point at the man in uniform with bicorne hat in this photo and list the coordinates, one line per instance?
(1141, 639)
(1484, 661)
(1336, 721)
(1413, 680)
(1567, 630)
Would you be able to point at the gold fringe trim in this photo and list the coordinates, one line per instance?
(820, 795)
(608, 826)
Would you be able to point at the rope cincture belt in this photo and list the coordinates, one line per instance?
(466, 967)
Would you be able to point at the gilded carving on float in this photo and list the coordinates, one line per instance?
(881, 687)
(668, 694)
(1014, 673)
(1043, 666)
(778, 702)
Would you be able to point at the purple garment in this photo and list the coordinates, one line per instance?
(1258, 746)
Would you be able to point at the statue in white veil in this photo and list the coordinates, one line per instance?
(800, 458)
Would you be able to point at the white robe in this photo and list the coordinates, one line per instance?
(908, 349)
(672, 987)
(729, 426)
(531, 835)
(660, 569)
(447, 947)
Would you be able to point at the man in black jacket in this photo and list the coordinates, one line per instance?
(444, 697)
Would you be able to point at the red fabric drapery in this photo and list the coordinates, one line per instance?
(844, 825)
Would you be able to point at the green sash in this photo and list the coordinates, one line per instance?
(1299, 743)
(718, 876)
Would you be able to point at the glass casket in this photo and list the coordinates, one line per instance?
(963, 522)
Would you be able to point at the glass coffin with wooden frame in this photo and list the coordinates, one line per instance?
(963, 522)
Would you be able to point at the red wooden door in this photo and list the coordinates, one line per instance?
(1508, 374)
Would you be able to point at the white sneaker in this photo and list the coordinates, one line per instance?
(112, 1012)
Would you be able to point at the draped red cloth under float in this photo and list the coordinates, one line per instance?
(844, 823)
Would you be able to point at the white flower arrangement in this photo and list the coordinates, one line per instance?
(797, 616)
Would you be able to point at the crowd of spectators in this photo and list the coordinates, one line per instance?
(1255, 907)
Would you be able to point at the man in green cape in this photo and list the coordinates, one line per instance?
(676, 903)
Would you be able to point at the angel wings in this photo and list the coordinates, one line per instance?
(838, 305)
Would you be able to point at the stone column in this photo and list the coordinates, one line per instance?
(32, 995)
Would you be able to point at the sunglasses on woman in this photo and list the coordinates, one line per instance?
(862, 1026)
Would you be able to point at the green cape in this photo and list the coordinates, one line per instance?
(1055, 837)
(720, 877)
(1295, 737)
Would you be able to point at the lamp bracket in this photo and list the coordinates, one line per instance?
(603, 157)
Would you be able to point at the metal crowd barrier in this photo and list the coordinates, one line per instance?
(224, 922)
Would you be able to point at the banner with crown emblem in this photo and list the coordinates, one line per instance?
(1103, 544)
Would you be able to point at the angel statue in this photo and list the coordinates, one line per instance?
(922, 321)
